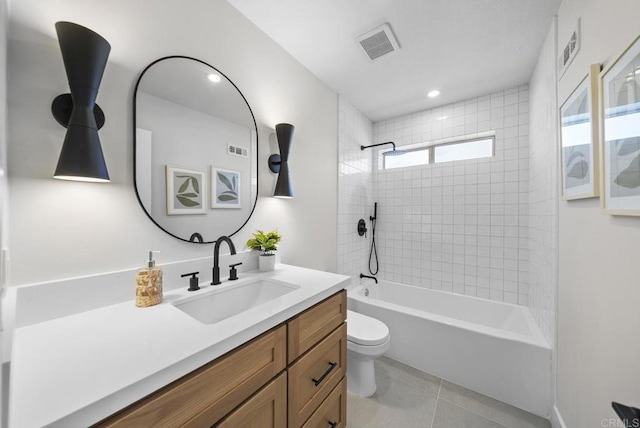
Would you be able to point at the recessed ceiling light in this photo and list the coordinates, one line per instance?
(213, 78)
(433, 94)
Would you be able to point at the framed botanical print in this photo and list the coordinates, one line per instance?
(186, 190)
(579, 139)
(225, 188)
(620, 133)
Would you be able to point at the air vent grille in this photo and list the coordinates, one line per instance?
(378, 42)
(377, 45)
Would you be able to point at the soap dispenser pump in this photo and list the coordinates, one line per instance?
(149, 283)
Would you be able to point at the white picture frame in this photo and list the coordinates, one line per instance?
(579, 140)
(620, 133)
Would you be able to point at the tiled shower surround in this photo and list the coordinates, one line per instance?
(459, 226)
(355, 182)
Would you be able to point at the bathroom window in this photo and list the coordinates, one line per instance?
(412, 157)
(465, 148)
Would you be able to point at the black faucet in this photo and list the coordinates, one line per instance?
(216, 257)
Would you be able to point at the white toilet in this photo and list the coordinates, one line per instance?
(367, 339)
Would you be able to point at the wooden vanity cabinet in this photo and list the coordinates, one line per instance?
(290, 376)
(207, 394)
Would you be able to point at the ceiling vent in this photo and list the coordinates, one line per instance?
(379, 42)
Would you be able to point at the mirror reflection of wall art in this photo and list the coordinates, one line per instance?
(578, 136)
(186, 190)
(621, 133)
(225, 188)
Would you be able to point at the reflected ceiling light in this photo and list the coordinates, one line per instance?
(433, 93)
(279, 163)
(213, 78)
(85, 55)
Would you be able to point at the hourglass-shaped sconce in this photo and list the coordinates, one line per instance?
(85, 55)
(280, 163)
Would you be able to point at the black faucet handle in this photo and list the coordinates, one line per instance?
(233, 273)
(193, 281)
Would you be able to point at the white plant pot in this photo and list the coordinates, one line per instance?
(267, 262)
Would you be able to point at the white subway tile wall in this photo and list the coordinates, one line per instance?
(485, 227)
(355, 189)
(459, 226)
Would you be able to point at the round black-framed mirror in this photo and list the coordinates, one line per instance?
(195, 150)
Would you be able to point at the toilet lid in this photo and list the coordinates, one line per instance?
(365, 330)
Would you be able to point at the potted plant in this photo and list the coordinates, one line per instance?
(268, 244)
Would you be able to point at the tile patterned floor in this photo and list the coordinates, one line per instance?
(408, 398)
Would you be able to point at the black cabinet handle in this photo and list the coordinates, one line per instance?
(333, 424)
(331, 367)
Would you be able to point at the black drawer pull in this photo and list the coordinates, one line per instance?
(333, 424)
(332, 366)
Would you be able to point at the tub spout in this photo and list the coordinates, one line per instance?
(367, 276)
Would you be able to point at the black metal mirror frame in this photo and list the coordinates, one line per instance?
(135, 183)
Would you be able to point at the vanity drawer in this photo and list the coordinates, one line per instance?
(266, 409)
(332, 413)
(306, 329)
(315, 375)
(207, 394)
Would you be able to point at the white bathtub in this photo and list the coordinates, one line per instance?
(490, 347)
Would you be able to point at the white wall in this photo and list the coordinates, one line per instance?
(65, 229)
(177, 133)
(599, 286)
(4, 226)
(459, 226)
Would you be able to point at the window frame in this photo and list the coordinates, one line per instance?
(431, 149)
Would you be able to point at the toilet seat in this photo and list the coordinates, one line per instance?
(366, 331)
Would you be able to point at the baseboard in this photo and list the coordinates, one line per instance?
(556, 418)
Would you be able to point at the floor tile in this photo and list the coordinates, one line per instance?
(395, 404)
(502, 413)
(449, 415)
(388, 368)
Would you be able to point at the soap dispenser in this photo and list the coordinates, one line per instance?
(149, 284)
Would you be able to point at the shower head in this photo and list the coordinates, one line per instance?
(393, 152)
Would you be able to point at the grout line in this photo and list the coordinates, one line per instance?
(435, 409)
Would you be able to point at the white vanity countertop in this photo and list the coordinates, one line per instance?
(76, 370)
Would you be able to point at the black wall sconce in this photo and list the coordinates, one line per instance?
(280, 163)
(85, 55)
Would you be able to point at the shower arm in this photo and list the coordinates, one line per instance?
(379, 144)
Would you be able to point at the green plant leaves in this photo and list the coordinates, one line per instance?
(628, 146)
(579, 170)
(630, 176)
(225, 180)
(184, 197)
(265, 242)
(187, 202)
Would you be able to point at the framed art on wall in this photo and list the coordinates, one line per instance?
(225, 188)
(579, 139)
(186, 190)
(620, 147)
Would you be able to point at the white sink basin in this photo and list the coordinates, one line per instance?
(217, 305)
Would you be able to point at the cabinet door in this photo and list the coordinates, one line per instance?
(315, 374)
(308, 328)
(266, 409)
(204, 396)
(332, 413)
